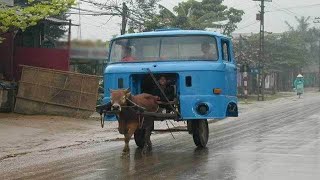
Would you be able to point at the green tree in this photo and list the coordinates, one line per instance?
(286, 53)
(55, 32)
(291, 49)
(197, 15)
(307, 36)
(136, 12)
(282, 51)
(28, 13)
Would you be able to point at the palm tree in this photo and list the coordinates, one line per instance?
(198, 15)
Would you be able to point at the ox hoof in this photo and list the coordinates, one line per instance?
(125, 155)
(146, 149)
(126, 150)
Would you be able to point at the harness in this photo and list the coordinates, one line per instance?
(140, 110)
(134, 106)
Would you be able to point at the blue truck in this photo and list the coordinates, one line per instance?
(199, 66)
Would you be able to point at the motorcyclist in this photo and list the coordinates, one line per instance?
(299, 84)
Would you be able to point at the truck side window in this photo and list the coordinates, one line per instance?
(225, 51)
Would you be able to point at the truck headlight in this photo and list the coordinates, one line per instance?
(202, 109)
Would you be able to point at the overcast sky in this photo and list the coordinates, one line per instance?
(278, 11)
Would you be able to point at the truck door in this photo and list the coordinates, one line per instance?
(231, 68)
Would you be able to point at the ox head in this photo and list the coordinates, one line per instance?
(119, 98)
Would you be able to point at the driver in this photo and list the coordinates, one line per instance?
(207, 51)
(127, 54)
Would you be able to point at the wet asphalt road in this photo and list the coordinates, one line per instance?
(279, 141)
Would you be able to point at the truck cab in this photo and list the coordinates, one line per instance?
(199, 65)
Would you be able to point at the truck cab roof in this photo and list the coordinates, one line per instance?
(169, 32)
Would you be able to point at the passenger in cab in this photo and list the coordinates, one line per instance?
(168, 91)
(207, 51)
(127, 54)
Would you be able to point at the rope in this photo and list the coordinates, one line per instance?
(141, 121)
(136, 105)
(173, 125)
(162, 92)
(170, 130)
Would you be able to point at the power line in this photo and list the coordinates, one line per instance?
(246, 26)
(249, 20)
(285, 10)
(100, 24)
(294, 7)
(104, 5)
(253, 11)
(237, 4)
(86, 10)
(107, 21)
(251, 8)
(91, 19)
(282, 10)
(95, 14)
(94, 25)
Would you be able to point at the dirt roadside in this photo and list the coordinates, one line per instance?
(21, 134)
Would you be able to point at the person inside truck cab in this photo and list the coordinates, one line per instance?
(207, 51)
(127, 54)
(168, 91)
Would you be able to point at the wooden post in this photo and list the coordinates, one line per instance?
(124, 18)
(69, 43)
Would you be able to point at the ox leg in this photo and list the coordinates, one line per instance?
(147, 142)
(150, 129)
(127, 138)
(126, 141)
(149, 126)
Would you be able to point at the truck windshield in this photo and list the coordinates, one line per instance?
(164, 48)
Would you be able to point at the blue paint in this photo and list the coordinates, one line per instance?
(171, 33)
(206, 75)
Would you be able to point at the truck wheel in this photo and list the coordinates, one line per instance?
(200, 131)
(139, 137)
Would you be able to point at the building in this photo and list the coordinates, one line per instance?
(31, 47)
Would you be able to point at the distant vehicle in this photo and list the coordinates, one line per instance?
(199, 65)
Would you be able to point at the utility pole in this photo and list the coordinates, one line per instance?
(79, 28)
(261, 55)
(244, 70)
(261, 82)
(124, 18)
(317, 20)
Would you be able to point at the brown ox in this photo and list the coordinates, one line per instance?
(130, 122)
